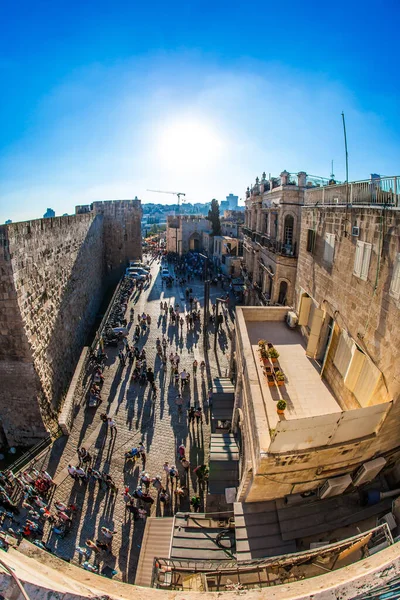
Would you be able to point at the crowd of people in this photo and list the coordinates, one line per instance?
(170, 489)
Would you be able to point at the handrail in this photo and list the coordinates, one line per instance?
(224, 565)
(30, 454)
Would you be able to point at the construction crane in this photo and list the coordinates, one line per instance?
(179, 194)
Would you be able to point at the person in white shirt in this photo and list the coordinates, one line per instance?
(72, 471)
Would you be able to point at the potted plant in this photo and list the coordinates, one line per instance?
(267, 370)
(280, 377)
(261, 343)
(273, 354)
(270, 380)
(280, 407)
(264, 356)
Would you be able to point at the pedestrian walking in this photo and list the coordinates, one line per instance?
(195, 502)
(83, 455)
(195, 364)
(179, 403)
(199, 415)
(108, 533)
(80, 473)
(72, 472)
(181, 451)
(191, 415)
(185, 463)
(112, 425)
(202, 368)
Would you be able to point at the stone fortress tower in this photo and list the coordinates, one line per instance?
(54, 273)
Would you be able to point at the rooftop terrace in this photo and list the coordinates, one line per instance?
(305, 393)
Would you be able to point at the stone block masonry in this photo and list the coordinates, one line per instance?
(52, 278)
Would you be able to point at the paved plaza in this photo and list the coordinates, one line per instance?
(138, 417)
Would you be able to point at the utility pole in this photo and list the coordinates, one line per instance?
(206, 301)
(217, 320)
(347, 159)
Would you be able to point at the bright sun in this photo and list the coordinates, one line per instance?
(189, 144)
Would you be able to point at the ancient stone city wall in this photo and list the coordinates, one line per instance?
(53, 277)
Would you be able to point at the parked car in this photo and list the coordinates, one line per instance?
(135, 264)
(165, 274)
(135, 275)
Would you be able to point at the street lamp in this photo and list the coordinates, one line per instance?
(206, 299)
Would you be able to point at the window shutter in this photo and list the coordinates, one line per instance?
(367, 382)
(358, 259)
(354, 370)
(315, 330)
(310, 240)
(329, 247)
(395, 283)
(304, 311)
(365, 261)
(343, 353)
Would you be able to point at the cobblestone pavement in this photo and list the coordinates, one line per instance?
(138, 417)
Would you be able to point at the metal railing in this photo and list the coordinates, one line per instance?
(28, 456)
(373, 539)
(383, 191)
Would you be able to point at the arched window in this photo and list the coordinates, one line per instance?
(282, 293)
(288, 231)
(266, 224)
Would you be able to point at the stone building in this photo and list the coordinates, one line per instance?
(271, 235)
(54, 273)
(186, 232)
(340, 364)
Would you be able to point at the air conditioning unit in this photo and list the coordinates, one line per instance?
(291, 319)
(355, 231)
(389, 520)
(368, 471)
(334, 486)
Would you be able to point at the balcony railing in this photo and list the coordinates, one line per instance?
(271, 244)
(247, 231)
(383, 191)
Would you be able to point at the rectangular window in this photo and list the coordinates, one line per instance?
(395, 283)
(311, 240)
(329, 247)
(362, 259)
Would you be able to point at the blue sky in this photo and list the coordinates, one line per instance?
(103, 100)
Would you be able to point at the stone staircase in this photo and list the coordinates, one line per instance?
(258, 532)
(156, 543)
(224, 454)
(224, 463)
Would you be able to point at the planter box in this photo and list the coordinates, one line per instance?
(271, 380)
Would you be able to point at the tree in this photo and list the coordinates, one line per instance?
(213, 216)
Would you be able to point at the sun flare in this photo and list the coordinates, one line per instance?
(189, 144)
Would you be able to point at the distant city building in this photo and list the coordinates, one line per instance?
(8, 221)
(232, 202)
(49, 214)
(65, 215)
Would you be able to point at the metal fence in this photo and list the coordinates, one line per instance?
(383, 191)
(376, 537)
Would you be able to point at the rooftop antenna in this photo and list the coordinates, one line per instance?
(332, 173)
